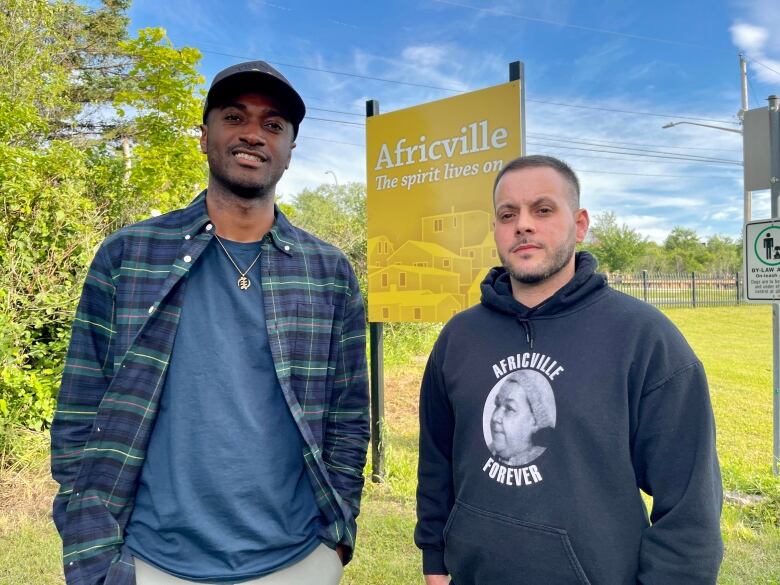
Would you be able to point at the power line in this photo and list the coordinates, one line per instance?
(335, 112)
(612, 142)
(693, 160)
(581, 139)
(453, 90)
(678, 158)
(499, 12)
(643, 150)
(665, 162)
(335, 121)
(642, 174)
(576, 139)
(627, 151)
(331, 141)
(614, 110)
(764, 65)
(673, 156)
(344, 73)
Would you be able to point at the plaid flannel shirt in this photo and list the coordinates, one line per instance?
(121, 344)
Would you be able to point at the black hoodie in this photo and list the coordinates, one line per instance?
(540, 425)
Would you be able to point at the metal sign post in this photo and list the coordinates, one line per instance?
(761, 242)
(377, 351)
(774, 181)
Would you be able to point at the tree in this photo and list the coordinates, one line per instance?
(73, 88)
(160, 89)
(59, 63)
(617, 247)
(653, 258)
(684, 251)
(725, 254)
(337, 214)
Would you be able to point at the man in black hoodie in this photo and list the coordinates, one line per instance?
(542, 486)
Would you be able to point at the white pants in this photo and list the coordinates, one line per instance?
(320, 567)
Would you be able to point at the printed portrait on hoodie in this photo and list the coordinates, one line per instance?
(519, 412)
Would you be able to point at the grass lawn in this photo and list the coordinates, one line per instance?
(733, 342)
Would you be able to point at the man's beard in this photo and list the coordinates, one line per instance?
(250, 191)
(245, 189)
(558, 262)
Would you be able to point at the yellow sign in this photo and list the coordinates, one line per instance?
(430, 177)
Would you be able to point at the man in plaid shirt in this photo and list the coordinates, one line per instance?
(212, 421)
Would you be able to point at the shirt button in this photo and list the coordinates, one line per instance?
(70, 564)
(287, 248)
(187, 237)
(209, 227)
(188, 258)
(151, 309)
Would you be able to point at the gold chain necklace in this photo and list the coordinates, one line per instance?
(243, 281)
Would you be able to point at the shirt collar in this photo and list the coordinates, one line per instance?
(282, 234)
(194, 216)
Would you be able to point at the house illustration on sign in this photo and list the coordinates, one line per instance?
(416, 306)
(456, 229)
(379, 250)
(432, 278)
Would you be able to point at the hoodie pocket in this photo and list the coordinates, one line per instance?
(485, 548)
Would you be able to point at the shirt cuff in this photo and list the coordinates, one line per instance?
(433, 562)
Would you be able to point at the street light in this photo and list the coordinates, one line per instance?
(670, 124)
(747, 200)
(334, 177)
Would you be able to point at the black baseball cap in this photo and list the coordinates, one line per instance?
(260, 77)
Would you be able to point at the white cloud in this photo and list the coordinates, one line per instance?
(759, 42)
(748, 37)
(426, 55)
(721, 215)
(765, 12)
(652, 227)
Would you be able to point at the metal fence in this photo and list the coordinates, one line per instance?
(681, 290)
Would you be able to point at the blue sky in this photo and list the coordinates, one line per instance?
(628, 67)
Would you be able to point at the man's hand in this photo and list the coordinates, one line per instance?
(437, 580)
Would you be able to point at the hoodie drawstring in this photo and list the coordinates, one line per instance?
(529, 330)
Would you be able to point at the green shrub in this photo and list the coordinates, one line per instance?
(68, 177)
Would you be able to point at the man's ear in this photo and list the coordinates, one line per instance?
(204, 142)
(582, 221)
(289, 155)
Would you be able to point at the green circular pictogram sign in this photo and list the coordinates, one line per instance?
(767, 246)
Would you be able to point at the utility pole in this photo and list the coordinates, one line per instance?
(744, 84)
(748, 195)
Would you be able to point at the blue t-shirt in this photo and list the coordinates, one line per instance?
(223, 494)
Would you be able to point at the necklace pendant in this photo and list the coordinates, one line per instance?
(244, 283)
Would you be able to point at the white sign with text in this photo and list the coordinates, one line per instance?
(762, 260)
